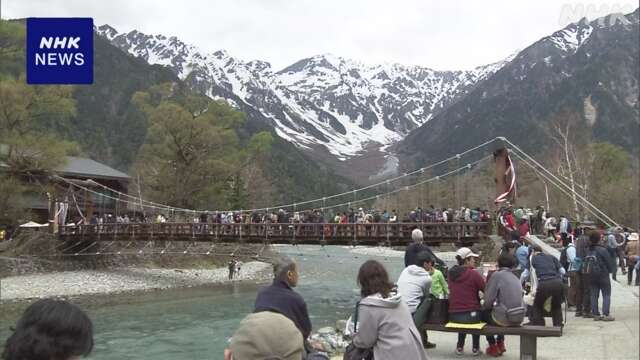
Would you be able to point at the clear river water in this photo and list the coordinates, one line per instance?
(195, 323)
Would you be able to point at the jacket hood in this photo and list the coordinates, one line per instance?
(377, 300)
(459, 273)
(417, 270)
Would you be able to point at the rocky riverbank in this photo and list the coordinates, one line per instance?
(447, 256)
(129, 279)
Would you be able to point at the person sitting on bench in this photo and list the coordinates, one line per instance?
(503, 303)
(465, 283)
(414, 285)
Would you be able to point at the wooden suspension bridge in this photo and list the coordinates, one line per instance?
(389, 234)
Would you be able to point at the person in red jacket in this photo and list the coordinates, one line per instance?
(465, 283)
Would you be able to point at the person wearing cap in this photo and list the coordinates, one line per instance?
(465, 283)
(417, 246)
(265, 335)
(612, 249)
(632, 251)
(549, 274)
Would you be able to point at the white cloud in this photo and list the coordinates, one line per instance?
(433, 33)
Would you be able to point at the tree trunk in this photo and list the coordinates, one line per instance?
(571, 179)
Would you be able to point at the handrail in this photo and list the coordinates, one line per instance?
(299, 232)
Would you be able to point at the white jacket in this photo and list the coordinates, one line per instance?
(414, 284)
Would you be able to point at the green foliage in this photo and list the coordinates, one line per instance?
(191, 156)
(29, 120)
(12, 39)
(112, 120)
(12, 201)
(610, 163)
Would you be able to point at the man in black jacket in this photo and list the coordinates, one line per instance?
(279, 297)
(417, 246)
(582, 283)
(549, 273)
(600, 280)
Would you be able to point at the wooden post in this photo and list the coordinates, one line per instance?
(528, 347)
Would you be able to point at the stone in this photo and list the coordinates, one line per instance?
(327, 330)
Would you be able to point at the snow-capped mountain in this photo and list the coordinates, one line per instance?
(588, 69)
(324, 100)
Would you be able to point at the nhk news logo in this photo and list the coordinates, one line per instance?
(59, 51)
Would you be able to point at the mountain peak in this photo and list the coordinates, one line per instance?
(324, 100)
(107, 31)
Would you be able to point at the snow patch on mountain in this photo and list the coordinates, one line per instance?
(341, 104)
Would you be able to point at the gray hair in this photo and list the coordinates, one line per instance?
(283, 265)
(416, 235)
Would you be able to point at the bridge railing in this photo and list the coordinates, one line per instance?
(289, 232)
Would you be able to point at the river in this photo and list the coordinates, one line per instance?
(196, 323)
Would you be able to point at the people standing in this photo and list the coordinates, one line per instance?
(632, 250)
(550, 226)
(571, 268)
(232, 268)
(564, 228)
(238, 267)
(465, 283)
(582, 283)
(417, 246)
(599, 265)
(549, 274)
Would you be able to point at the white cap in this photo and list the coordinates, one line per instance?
(633, 237)
(465, 252)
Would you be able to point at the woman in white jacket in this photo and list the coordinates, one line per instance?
(384, 320)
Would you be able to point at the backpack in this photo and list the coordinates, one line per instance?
(591, 264)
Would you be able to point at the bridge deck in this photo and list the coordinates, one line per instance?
(303, 233)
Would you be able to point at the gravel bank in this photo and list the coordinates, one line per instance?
(91, 282)
(447, 256)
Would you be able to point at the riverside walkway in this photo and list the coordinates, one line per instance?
(582, 339)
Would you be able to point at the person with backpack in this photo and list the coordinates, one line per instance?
(598, 265)
(583, 289)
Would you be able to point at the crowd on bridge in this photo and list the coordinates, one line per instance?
(315, 216)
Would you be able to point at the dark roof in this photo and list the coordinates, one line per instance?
(89, 168)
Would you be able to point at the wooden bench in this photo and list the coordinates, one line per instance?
(528, 335)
